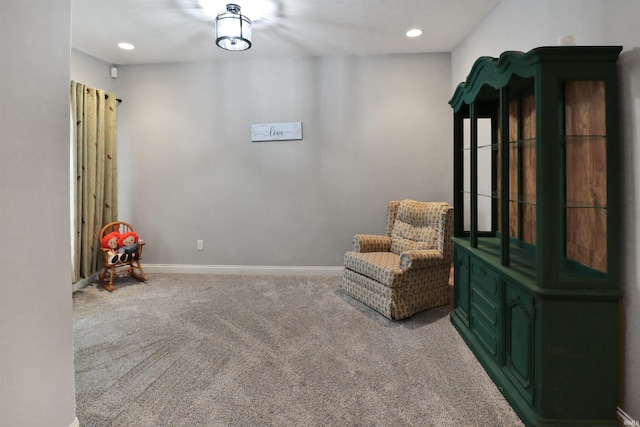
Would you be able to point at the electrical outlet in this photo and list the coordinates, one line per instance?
(200, 245)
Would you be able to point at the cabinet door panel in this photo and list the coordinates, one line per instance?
(461, 288)
(519, 338)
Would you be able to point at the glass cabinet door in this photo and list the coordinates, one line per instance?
(521, 207)
(485, 179)
(466, 168)
(522, 169)
(585, 144)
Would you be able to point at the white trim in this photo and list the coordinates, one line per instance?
(244, 269)
(75, 423)
(625, 419)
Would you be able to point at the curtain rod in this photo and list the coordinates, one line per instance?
(118, 100)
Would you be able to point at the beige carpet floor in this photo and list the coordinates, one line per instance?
(235, 350)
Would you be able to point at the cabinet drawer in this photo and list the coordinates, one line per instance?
(485, 307)
(485, 335)
(485, 278)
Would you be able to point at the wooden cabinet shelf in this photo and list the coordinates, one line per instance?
(536, 229)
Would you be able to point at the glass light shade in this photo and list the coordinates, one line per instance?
(233, 30)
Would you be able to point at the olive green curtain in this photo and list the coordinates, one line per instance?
(94, 163)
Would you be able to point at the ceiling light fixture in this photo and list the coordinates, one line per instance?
(233, 30)
(260, 12)
(126, 46)
(414, 32)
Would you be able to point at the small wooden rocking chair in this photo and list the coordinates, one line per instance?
(130, 265)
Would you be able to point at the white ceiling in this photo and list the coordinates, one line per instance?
(179, 30)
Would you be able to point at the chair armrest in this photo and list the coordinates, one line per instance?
(106, 254)
(420, 259)
(140, 245)
(371, 243)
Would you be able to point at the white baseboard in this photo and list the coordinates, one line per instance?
(244, 269)
(75, 423)
(626, 420)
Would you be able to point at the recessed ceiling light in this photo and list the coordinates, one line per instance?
(126, 46)
(414, 32)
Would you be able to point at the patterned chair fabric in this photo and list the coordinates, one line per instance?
(406, 270)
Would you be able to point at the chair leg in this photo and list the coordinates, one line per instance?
(106, 286)
(144, 277)
(111, 280)
(139, 276)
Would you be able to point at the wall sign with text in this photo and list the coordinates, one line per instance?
(276, 131)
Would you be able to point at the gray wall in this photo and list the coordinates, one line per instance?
(375, 128)
(36, 349)
(91, 71)
(523, 25)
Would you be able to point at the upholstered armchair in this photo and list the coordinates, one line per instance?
(406, 270)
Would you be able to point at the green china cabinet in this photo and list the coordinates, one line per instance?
(536, 230)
